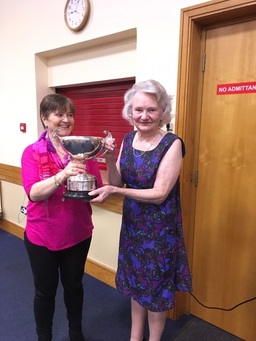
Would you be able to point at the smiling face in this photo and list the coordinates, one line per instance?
(64, 121)
(57, 111)
(146, 112)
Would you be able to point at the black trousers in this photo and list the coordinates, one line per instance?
(47, 267)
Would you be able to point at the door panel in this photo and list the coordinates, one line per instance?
(224, 257)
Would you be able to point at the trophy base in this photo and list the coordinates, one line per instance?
(79, 195)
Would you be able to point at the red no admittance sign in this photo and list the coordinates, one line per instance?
(236, 88)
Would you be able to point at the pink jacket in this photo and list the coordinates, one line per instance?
(55, 223)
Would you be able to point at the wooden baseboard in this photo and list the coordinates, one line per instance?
(12, 228)
(101, 272)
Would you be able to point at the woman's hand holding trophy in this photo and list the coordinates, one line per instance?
(80, 149)
(76, 167)
(109, 146)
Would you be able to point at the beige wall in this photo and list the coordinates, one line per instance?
(38, 53)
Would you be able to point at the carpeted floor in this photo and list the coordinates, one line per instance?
(198, 330)
(106, 315)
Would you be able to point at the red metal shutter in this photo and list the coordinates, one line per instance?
(98, 108)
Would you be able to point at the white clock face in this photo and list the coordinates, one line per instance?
(76, 13)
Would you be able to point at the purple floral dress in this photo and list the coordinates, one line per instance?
(152, 260)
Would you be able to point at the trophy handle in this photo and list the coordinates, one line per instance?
(108, 133)
(54, 134)
(109, 136)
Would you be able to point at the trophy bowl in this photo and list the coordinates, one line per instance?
(81, 148)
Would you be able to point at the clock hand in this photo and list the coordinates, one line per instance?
(77, 5)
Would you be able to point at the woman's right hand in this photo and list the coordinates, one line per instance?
(109, 148)
(42, 190)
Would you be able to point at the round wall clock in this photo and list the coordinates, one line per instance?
(76, 14)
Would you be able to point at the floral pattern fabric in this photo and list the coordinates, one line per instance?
(152, 261)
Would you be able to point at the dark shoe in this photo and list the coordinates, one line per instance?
(144, 339)
(44, 336)
(76, 335)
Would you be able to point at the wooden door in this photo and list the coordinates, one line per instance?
(224, 249)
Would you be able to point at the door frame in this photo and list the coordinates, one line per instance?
(194, 21)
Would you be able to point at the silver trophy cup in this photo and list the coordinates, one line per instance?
(81, 148)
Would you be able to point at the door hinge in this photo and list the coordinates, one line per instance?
(196, 178)
(203, 62)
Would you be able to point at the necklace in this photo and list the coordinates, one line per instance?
(144, 151)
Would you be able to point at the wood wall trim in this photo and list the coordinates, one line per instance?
(12, 174)
(113, 203)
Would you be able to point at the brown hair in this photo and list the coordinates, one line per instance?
(55, 102)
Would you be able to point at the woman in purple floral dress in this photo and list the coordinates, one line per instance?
(152, 261)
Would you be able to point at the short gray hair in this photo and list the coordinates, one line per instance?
(151, 87)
